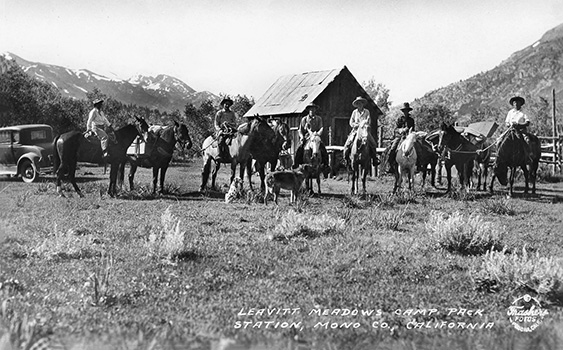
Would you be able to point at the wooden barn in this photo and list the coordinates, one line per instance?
(332, 90)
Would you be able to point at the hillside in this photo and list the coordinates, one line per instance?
(532, 72)
(162, 92)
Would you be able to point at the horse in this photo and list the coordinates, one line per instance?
(482, 162)
(239, 150)
(161, 142)
(360, 158)
(271, 140)
(512, 154)
(312, 156)
(406, 160)
(459, 152)
(426, 156)
(72, 147)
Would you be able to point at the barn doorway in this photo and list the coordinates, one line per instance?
(340, 129)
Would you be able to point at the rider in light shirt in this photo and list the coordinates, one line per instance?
(96, 123)
(515, 116)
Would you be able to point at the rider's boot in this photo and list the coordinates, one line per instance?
(391, 163)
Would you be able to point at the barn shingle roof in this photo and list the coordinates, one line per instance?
(292, 93)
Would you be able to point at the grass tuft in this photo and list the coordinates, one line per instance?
(168, 243)
(99, 283)
(294, 224)
(498, 206)
(65, 245)
(461, 194)
(384, 201)
(543, 275)
(457, 233)
(405, 197)
(254, 196)
(354, 202)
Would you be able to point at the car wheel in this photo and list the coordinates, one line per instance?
(28, 171)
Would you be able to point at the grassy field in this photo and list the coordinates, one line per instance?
(187, 271)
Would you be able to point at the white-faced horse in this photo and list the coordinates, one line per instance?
(360, 158)
(312, 156)
(406, 159)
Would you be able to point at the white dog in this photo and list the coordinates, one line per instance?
(235, 190)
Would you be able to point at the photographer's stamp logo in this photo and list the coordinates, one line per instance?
(526, 313)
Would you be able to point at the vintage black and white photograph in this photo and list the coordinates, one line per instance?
(281, 174)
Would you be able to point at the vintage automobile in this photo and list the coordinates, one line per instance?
(26, 150)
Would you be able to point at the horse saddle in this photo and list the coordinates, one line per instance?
(90, 136)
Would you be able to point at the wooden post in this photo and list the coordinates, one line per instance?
(554, 120)
(557, 160)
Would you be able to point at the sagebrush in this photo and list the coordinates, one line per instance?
(467, 235)
(544, 275)
(301, 224)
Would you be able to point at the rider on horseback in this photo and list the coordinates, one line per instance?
(360, 115)
(404, 124)
(519, 121)
(313, 122)
(100, 126)
(225, 128)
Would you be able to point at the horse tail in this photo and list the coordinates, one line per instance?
(56, 156)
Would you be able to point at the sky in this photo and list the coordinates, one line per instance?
(243, 46)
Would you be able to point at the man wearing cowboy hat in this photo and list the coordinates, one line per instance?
(515, 116)
(225, 119)
(312, 121)
(404, 124)
(96, 123)
(360, 116)
(225, 127)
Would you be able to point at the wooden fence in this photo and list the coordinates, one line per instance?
(551, 151)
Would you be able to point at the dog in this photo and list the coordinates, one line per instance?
(235, 190)
(288, 180)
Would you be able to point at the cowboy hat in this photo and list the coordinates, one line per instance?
(406, 107)
(311, 105)
(227, 100)
(517, 98)
(98, 100)
(359, 99)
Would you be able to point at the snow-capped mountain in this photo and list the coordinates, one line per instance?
(162, 92)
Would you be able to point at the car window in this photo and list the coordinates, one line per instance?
(38, 135)
(16, 137)
(5, 136)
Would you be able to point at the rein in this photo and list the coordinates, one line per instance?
(479, 151)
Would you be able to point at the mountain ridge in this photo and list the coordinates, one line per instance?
(532, 72)
(163, 92)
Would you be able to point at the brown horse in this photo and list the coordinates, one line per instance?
(482, 163)
(513, 153)
(239, 150)
(360, 158)
(72, 147)
(266, 148)
(161, 141)
(459, 152)
(426, 157)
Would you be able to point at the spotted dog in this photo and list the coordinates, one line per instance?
(235, 191)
